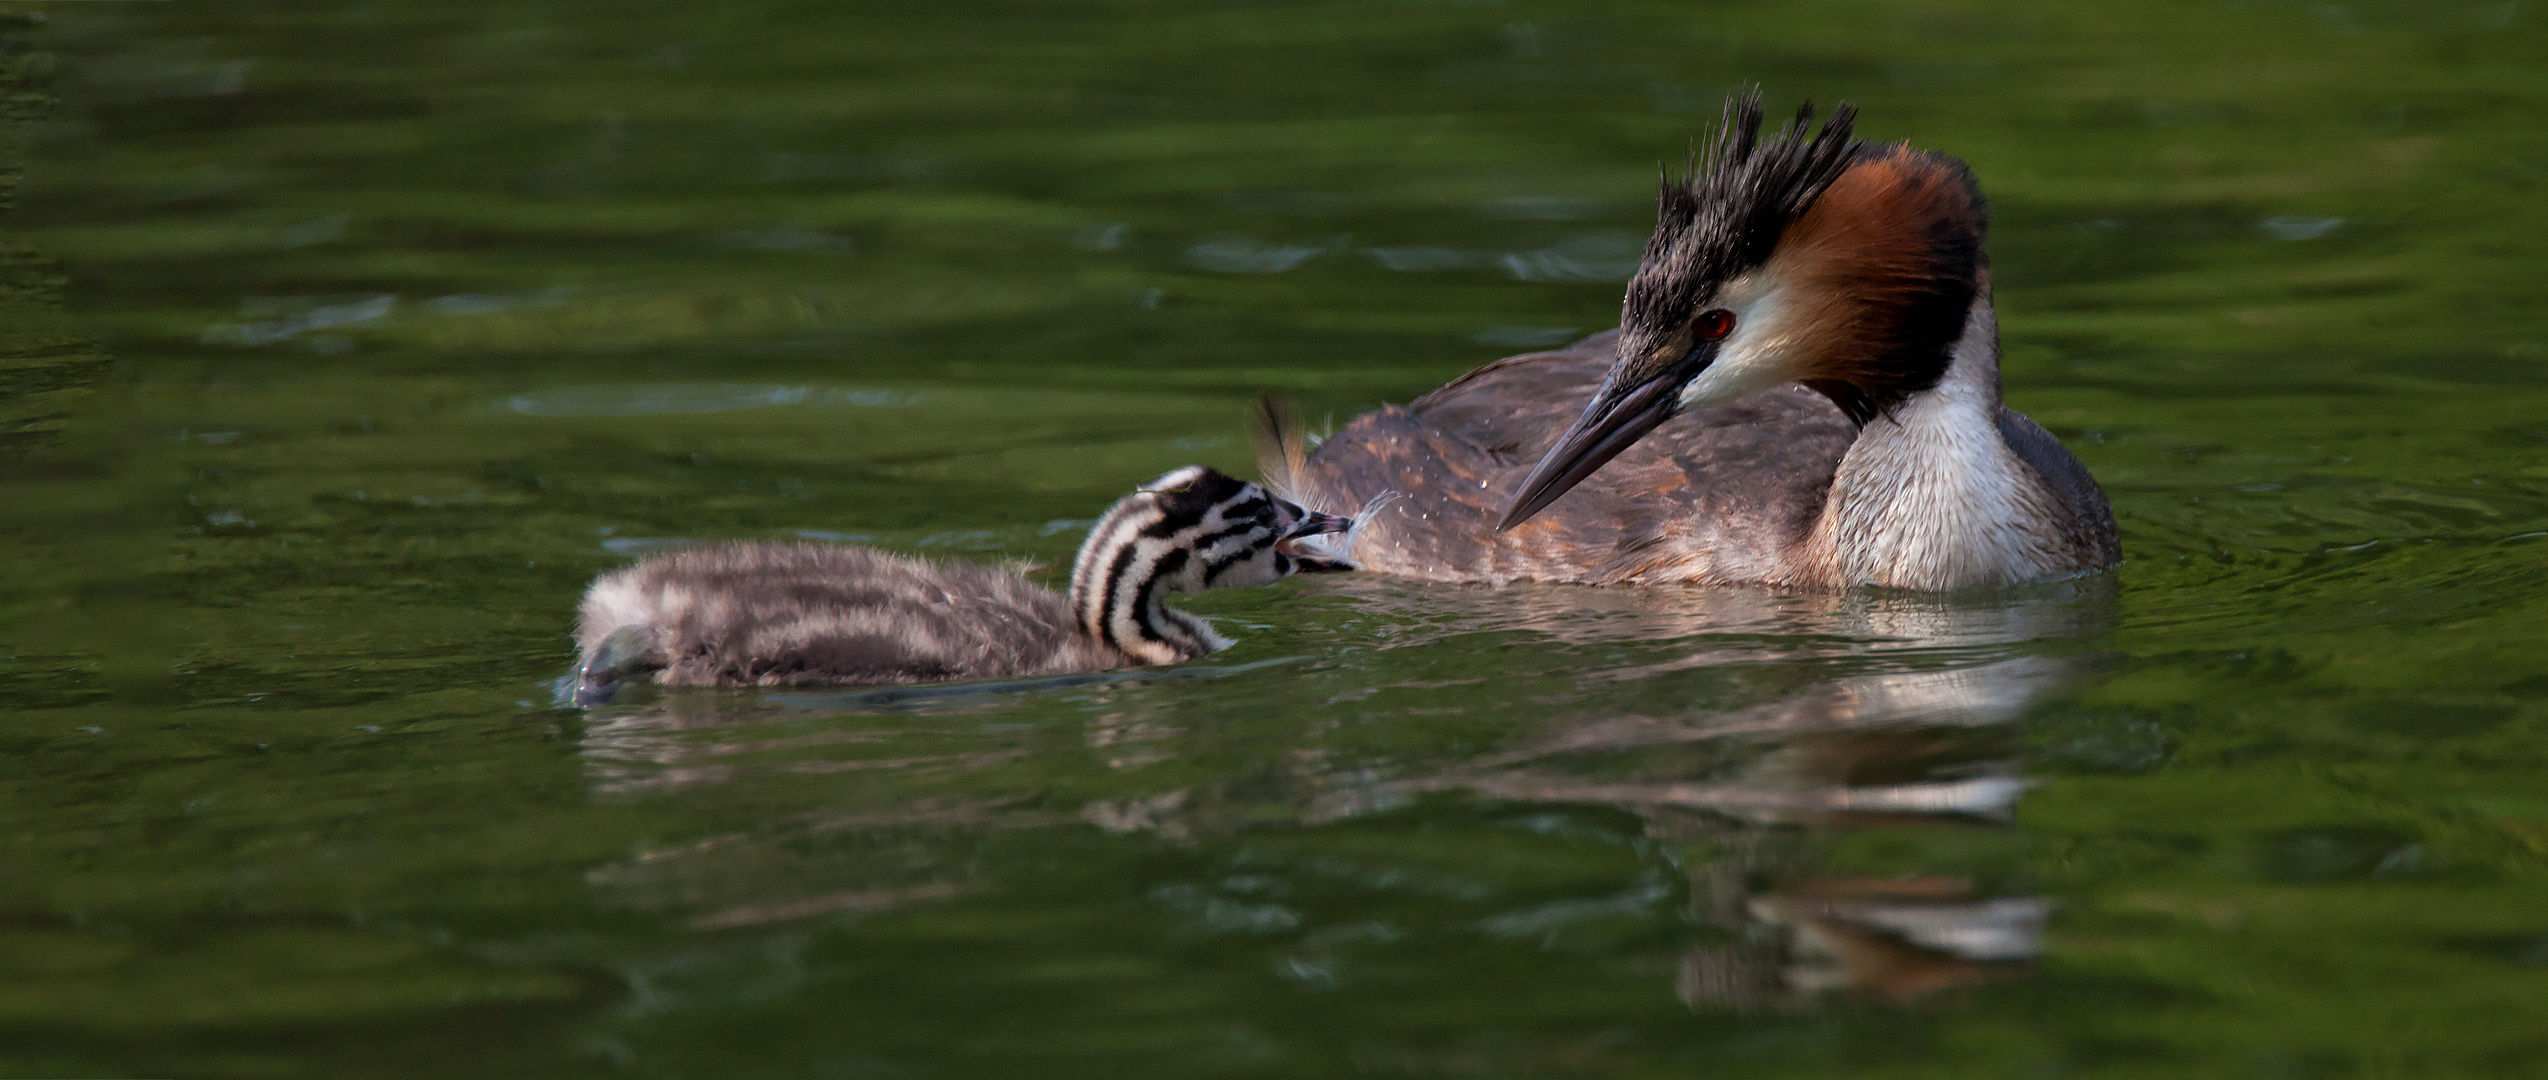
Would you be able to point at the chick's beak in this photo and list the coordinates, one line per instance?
(1614, 421)
(1310, 523)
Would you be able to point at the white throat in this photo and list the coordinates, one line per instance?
(1931, 497)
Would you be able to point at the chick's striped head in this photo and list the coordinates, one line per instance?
(1190, 530)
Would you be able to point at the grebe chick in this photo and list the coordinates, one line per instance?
(1804, 390)
(779, 614)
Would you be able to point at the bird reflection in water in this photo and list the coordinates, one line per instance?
(1882, 710)
(1886, 749)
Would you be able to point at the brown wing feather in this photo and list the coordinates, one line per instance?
(1722, 495)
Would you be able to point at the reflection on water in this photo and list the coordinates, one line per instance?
(676, 399)
(1892, 939)
(298, 315)
(1904, 730)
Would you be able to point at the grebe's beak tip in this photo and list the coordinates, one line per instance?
(1614, 421)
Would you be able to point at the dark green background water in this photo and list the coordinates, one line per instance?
(421, 314)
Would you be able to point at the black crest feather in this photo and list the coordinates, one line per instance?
(1738, 193)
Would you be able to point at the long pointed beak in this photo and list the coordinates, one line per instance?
(1311, 523)
(1612, 423)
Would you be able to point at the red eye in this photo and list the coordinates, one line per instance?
(1713, 324)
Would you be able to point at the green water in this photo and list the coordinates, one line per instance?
(344, 343)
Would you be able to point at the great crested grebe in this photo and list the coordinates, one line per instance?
(1803, 390)
(777, 614)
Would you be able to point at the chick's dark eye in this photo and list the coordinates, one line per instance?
(1713, 324)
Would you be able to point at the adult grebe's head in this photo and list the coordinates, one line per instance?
(1190, 530)
(1807, 258)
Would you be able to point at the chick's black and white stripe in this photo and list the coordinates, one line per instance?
(1196, 526)
(782, 614)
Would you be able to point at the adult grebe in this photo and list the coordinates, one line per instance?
(776, 614)
(1816, 313)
